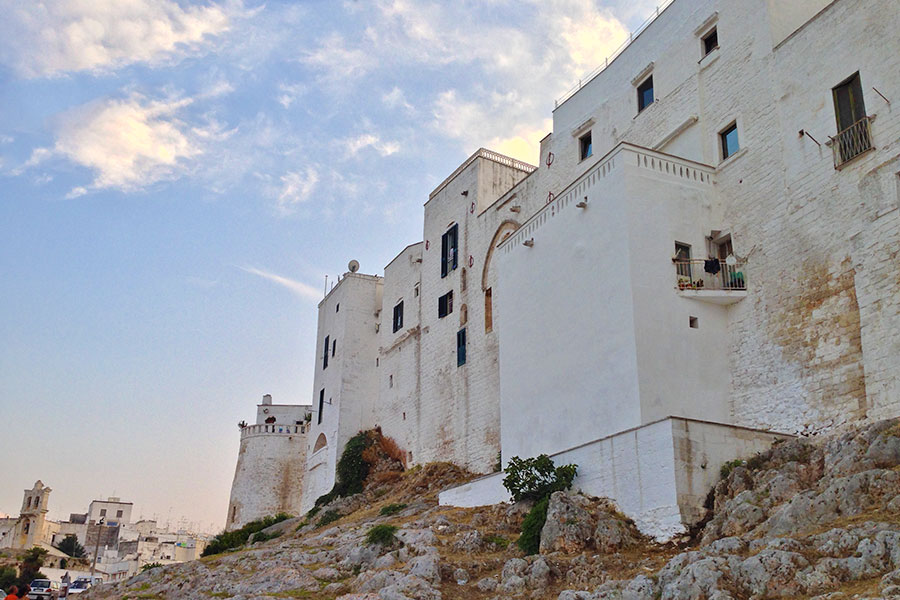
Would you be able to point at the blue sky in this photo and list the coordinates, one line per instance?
(176, 181)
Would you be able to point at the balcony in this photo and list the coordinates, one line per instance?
(712, 280)
(851, 142)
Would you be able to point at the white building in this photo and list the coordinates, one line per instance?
(271, 465)
(706, 255)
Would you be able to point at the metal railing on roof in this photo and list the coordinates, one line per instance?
(631, 36)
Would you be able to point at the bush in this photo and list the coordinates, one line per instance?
(530, 540)
(262, 536)
(382, 535)
(536, 478)
(728, 467)
(148, 566)
(228, 540)
(328, 517)
(391, 509)
(8, 577)
(497, 540)
(351, 471)
(313, 512)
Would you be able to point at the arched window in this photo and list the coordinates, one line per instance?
(321, 442)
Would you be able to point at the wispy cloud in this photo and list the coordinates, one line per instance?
(289, 92)
(74, 35)
(296, 188)
(368, 140)
(298, 288)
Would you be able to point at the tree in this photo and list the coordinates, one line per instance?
(71, 547)
(8, 577)
(31, 565)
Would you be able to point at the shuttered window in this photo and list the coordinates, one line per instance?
(398, 316)
(449, 243)
(461, 347)
(445, 305)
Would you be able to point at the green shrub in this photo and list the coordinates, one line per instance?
(228, 540)
(382, 535)
(530, 540)
(262, 536)
(497, 540)
(351, 471)
(391, 509)
(148, 566)
(536, 478)
(329, 516)
(313, 512)
(728, 467)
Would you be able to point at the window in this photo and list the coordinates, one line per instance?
(416, 291)
(693, 322)
(449, 243)
(729, 138)
(337, 307)
(584, 146)
(325, 354)
(333, 348)
(102, 512)
(445, 305)
(488, 311)
(398, 316)
(460, 347)
(683, 260)
(710, 41)
(28, 502)
(118, 514)
(854, 136)
(390, 381)
(645, 94)
(321, 406)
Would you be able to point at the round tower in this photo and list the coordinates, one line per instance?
(271, 463)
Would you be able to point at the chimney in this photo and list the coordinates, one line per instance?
(267, 399)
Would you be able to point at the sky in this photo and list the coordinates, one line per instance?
(176, 181)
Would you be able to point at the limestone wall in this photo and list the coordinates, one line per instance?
(268, 478)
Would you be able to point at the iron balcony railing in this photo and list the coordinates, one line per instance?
(711, 274)
(852, 142)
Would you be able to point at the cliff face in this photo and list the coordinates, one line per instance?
(806, 519)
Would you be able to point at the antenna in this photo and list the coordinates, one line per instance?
(353, 266)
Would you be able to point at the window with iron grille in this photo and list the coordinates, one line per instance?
(449, 243)
(854, 136)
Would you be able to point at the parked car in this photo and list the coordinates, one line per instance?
(44, 589)
(79, 586)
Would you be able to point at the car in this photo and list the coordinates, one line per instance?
(79, 586)
(44, 589)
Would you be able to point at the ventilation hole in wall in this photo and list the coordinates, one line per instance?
(376, 362)
(404, 416)
(390, 381)
(337, 307)
(694, 322)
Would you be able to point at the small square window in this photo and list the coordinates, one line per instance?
(645, 94)
(710, 41)
(118, 514)
(694, 322)
(729, 137)
(584, 145)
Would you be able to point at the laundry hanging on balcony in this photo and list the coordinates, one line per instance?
(712, 266)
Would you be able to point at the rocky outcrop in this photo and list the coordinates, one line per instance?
(803, 520)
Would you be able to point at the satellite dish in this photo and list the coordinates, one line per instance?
(353, 266)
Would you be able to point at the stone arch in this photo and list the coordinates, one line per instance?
(321, 442)
(506, 227)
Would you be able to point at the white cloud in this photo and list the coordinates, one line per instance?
(127, 143)
(396, 99)
(76, 192)
(303, 290)
(338, 60)
(290, 93)
(366, 140)
(296, 188)
(46, 38)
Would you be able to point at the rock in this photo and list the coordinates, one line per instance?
(569, 525)
(614, 533)
(488, 584)
(335, 588)
(420, 541)
(372, 582)
(513, 584)
(574, 595)
(360, 556)
(772, 573)
(461, 576)
(410, 587)
(514, 566)
(640, 588)
(326, 574)
(698, 579)
(735, 517)
(426, 567)
(383, 562)
(470, 541)
(539, 574)
(894, 505)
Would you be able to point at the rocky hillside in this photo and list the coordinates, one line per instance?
(808, 519)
